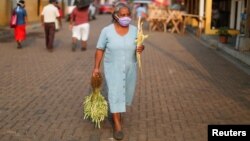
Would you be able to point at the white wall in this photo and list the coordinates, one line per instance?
(108, 1)
(240, 8)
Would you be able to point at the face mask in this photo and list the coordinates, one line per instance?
(124, 21)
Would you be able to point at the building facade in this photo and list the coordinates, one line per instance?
(214, 14)
(243, 41)
(5, 12)
(33, 8)
(217, 13)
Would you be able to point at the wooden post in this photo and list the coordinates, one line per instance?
(201, 14)
(38, 7)
(208, 16)
(192, 7)
(248, 20)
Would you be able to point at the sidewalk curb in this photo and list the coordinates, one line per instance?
(237, 54)
(8, 32)
(241, 60)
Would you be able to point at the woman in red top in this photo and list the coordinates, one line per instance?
(79, 24)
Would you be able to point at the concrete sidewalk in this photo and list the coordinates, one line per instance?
(240, 58)
(243, 56)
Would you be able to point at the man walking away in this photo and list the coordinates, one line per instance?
(49, 16)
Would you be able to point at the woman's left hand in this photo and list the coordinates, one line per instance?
(139, 49)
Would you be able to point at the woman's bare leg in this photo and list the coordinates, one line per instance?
(74, 41)
(84, 45)
(117, 121)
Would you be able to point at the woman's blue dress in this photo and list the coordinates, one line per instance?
(120, 66)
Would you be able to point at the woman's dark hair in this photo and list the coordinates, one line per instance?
(21, 3)
(79, 6)
(52, 1)
(82, 8)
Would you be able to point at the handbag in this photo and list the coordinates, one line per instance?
(13, 19)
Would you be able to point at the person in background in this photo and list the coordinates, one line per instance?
(61, 15)
(215, 17)
(141, 12)
(79, 24)
(117, 44)
(20, 28)
(50, 14)
(92, 11)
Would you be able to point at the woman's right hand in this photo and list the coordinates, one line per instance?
(96, 72)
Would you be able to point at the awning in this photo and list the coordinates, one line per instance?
(142, 1)
(162, 2)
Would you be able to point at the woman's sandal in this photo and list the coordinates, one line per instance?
(118, 135)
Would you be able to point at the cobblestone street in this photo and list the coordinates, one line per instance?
(184, 87)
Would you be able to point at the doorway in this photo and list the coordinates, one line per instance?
(237, 9)
(220, 13)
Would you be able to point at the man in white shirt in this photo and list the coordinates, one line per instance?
(49, 16)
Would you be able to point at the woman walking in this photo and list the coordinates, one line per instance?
(117, 44)
(20, 28)
(79, 23)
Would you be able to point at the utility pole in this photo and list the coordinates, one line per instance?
(38, 7)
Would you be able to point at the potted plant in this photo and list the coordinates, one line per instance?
(223, 34)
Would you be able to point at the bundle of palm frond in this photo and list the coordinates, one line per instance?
(95, 106)
(139, 41)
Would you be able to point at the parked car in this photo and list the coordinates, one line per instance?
(105, 9)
